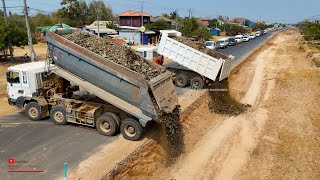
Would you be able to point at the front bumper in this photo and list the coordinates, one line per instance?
(12, 102)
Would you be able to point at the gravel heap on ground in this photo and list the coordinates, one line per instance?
(222, 102)
(119, 54)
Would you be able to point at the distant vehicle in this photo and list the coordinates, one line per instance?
(265, 31)
(223, 43)
(252, 36)
(246, 38)
(232, 42)
(258, 33)
(210, 45)
(239, 38)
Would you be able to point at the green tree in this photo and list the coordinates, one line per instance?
(261, 26)
(166, 15)
(41, 19)
(74, 12)
(191, 27)
(213, 23)
(159, 25)
(3, 34)
(99, 8)
(173, 15)
(234, 29)
(310, 30)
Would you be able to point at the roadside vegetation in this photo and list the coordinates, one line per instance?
(310, 30)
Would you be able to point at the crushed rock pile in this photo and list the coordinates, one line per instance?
(116, 53)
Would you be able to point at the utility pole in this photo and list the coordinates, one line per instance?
(190, 13)
(32, 53)
(142, 21)
(177, 19)
(98, 13)
(9, 37)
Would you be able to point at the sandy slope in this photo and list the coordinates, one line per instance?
(277, 138)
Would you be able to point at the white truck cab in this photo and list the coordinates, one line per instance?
(22, 81)
(148, 53)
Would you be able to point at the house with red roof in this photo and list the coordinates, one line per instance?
(133, 19)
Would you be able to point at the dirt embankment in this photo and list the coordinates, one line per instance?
(277, 138)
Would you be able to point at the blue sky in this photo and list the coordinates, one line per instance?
(285, 11)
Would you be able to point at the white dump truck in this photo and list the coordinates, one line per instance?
(190, 65)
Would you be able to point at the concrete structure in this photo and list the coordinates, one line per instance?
(133, 34)
(103, 30)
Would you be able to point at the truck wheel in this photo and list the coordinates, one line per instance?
(58, 115)
(33, 111)
(181, 80)
(115, 117)
(107, 125)
(197, 82)
(131, 129)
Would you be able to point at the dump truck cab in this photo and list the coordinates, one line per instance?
(24, 81)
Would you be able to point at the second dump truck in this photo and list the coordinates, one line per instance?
(190, 65)
(78, 86)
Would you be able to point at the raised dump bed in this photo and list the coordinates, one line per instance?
(215, 67)
(116, 84)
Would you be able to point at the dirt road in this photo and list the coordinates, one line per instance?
(277, 138)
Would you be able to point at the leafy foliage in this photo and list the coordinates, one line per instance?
(159, 25)
(191, 27)
(79, 13)
(261, 26)
(310, 30)
(213, 23)
(3, 35)
(234, 29)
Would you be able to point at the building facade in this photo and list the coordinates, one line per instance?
(133, 19)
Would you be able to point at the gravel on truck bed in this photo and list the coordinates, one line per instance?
(116, 53)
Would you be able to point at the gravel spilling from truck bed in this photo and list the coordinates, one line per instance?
(116, 53)
(174, 133)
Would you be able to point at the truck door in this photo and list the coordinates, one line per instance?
(25, 84)
(14, 84)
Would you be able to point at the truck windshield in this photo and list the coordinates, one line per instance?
(13, 77)
(209, 43)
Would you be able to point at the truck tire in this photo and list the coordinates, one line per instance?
(197, 82)
(131, 129)
(107, 125)
(181, 80)
(33, 111)
(113, 115)
(58, 115)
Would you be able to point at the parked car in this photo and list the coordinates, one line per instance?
(223, 43)
(239, 38)
(246, 38)
(232, 42)
(258, 33)
(265, 31)
(210, 45)
(252, 36)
